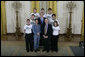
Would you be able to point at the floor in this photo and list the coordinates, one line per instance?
(62, 38)
(12, 46)
(17, 48)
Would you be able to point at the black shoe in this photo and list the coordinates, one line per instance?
(38, 49)
(27, 51)
(31, 50)
(35, 50)
(43, 50)
(47, 51)
(56, 50)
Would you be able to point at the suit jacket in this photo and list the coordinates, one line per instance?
(49, 30)
(40, 20)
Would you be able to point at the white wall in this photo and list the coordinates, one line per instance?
(11, 15)
(62, 14)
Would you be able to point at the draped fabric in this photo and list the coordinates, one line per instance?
(50, 4)
(82, 29)
(35, 4)
(53, 5)
(3, 18)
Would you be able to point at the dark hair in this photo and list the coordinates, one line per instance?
(42, 9)
(28, 20)
(33, 15)
(53, 14)
(36, 19)
(56, 23)
(35, 9)
(45, 18)
(49, 9)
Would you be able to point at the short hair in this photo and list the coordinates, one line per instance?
(49, 9)
(36, 19)
(42, 9)
(35, 9)
(28, 20)
(32, 15)
(45, 18)
(53, 14)
(56, 23)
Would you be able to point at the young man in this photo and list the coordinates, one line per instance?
(54, 19)
(35, 13)
(47, 32)
(32, 19)
(36, 31)
(55, 36)
(28, 35)
(43, 11)
(49, 15)
(41, 19)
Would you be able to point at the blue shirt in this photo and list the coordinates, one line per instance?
(36, 29)
(42, 20)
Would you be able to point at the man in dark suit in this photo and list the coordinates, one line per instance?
(47, 32)
(41, 19)
(41, 22)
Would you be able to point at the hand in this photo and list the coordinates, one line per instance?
(38, 33)
(24, 35)
(46, 36)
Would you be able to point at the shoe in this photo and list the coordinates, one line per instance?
(35, 50)
(31, 50)
(27, 51)
(43, 50)
(56, 50)
(38, 49)
(47, 51)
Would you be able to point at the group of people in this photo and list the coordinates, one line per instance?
(42, 28)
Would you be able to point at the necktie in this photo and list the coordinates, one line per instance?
(45, 29)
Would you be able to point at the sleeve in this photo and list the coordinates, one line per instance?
(33, 29)
(40, 28)
(38, 14)
(59, 28)
(44, 15)
(25, 27)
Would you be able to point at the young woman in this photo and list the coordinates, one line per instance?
(28, 36)
(55, 36)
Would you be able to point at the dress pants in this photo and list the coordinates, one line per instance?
(29, 42)
(54, 43)
(46, 44)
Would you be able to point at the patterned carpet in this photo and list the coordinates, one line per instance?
(20, 51)
(17, 48)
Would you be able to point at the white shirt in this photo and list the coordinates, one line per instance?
(36, 14)
(49, 16)
(44, 15)
(54, 20)
(32, 21)
(28, 29)
(56, 30)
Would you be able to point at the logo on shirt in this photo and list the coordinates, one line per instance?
(28, 28)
